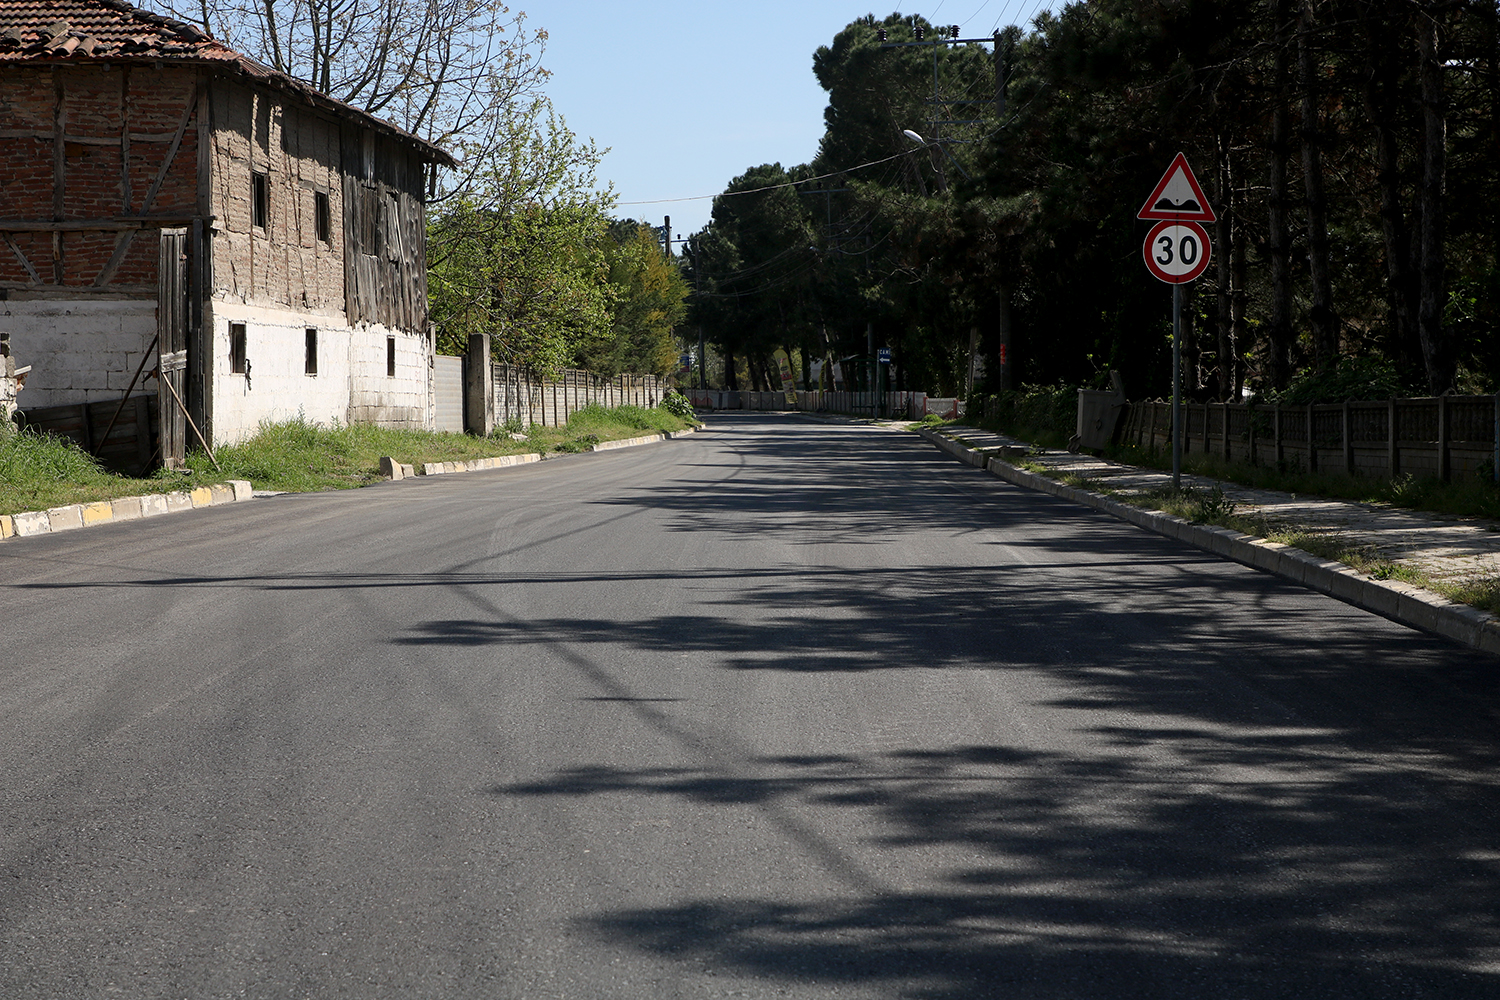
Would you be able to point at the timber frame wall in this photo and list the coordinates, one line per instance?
(98, 158)
(1442, 437)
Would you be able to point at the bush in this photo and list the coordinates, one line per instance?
(1049, 411)
(678, 405)
(1350, 379)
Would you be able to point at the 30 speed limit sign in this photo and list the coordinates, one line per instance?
(1176, 251)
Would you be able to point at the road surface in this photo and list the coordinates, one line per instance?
(785, 709)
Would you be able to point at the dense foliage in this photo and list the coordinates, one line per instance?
(1350, 148)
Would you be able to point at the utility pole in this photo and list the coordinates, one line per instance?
(1007, 382)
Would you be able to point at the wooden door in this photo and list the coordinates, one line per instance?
(172, 328)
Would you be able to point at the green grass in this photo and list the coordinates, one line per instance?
(296, 456)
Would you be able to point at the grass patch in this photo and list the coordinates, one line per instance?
(1464, 498)
(296, 456)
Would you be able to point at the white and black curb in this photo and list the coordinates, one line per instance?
(84, 515)
(1390, 598)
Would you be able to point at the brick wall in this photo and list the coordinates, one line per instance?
(118, 125)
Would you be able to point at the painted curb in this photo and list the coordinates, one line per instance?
(86, 515)
(1400, 602)
(449, 468)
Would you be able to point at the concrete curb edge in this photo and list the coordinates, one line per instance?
(1391, 599)
(84, 515)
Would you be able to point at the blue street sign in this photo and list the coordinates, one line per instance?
(883, 355)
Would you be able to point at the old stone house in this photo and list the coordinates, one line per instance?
(166, 200)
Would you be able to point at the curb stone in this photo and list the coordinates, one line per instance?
(1400, 602)
(394, 470)
(82, 515)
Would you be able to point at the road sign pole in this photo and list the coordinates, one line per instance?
(1176, 387)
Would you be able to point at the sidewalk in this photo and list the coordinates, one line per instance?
(1446, 548)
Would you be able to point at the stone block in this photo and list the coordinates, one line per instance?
(391, 469)
(1380, 598)
(32, 522)
(1347, 585)
(201, 497)
(1420, 608)
(1488, 638)
(432, 468)
(126, 508)
(242, 489)
(221, 493)
(98, 513)
(153, 504)
(1462, 623)
(7, 527)
(407, 471)
(65, 518)
(179, 501)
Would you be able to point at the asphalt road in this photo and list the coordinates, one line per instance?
(782, 709)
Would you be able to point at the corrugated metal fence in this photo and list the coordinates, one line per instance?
(526, 396)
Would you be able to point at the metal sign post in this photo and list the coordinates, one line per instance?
(1177, 251)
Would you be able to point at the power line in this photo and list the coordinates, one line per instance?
(768, 187)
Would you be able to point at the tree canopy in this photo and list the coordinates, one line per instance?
(1348, 147)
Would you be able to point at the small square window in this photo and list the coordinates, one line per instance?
(237, 348)
(260, 200)
(321, 217)
(390, 357)
(310, 365)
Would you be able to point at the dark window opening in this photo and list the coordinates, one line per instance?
(322, 220)
(310, 366)
(237, 348)
(260, 200)
(390, 357)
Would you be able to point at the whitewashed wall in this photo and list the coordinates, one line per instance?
(351, 384)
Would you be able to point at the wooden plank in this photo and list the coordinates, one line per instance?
(161, 175)
(36, 279)
(125, 136)
(144, 446)
(122, 246)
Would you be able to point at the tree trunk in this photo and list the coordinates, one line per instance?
(731, 377)
(1379, 98)
(1224, 235)
(1279, 328)
(1438, 352)
(1325, 328)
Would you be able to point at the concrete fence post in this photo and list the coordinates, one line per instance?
(479, 387)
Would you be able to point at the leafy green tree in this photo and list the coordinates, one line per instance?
(524, 257)
(648, 300)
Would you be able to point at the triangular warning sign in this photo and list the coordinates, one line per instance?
(1177, 196)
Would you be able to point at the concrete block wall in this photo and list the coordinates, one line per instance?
(350, 386)
(79, 350)
(403, 401)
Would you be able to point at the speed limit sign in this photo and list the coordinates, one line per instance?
(1176, 252)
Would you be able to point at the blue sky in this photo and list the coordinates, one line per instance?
(689, 95)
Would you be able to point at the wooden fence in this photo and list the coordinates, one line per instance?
(525, 396)
(1442, 437)
(133, 441)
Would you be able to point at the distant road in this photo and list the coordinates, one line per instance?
(784, 709)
